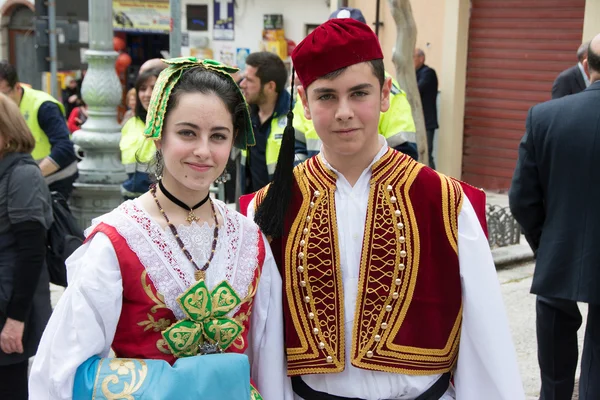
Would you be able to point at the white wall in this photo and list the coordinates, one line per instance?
(249, 22)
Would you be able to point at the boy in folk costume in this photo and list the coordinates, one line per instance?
(390, 290)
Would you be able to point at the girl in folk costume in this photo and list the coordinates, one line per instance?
(173, 277)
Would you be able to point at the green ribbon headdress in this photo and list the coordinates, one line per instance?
(167, 80)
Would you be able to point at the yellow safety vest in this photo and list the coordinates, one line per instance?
(273, 144)
(136, 150)
(30, 105)
(396, 124)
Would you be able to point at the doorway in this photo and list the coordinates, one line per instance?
(21, 46)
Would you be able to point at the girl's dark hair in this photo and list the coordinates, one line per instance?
(141, 80)
(206, 81)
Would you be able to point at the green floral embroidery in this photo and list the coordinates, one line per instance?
(207, 320)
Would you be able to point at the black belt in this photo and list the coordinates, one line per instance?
(435, 392)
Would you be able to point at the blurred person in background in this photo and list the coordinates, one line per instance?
(77, 117)
(71, 95)
(554, 196)
(25, 217)
(264, 88)
(136, 151)
(428, 88)
(574, 79)
(45, 117)
(153, 63)
(130, 102)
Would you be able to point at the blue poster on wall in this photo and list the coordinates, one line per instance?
(223, 20)
(240, 57)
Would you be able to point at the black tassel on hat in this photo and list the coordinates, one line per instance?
(270, 215)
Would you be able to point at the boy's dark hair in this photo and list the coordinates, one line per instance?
(8, 73)
(376, 65)
(141, 80)
(269, 67)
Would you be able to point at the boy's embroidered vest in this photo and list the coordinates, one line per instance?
(408, 314)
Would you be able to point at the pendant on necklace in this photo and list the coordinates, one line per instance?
(200, 275)
(192, 217)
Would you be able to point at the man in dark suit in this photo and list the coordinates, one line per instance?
(428, 88)
(572, 80)
(555, 196)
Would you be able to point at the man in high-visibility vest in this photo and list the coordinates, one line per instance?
(396, 124)
(45, 117)
(264, 88)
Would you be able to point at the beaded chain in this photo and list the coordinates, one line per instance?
(200, 273)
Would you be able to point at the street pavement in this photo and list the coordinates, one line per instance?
(515, 272)
(520, 307)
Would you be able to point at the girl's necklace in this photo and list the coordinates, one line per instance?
(191, 216)
(200, 273)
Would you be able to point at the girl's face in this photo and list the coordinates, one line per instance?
(196, 140)
(145, 92)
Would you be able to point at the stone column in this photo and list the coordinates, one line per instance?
(101, 173)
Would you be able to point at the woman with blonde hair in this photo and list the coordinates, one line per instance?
(25, 217)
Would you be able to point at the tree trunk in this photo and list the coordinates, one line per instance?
(405, 70)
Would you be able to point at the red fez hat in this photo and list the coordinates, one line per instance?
(335, 44)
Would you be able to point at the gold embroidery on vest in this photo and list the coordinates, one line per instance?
(444, 358)
(162, 346)
(242, 317)
(388, 274)
(151, 323)
(314, 286)
(389, 261)
(260, 196)
(451, 203)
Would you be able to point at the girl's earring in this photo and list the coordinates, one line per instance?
(159, 165)
(224, 177)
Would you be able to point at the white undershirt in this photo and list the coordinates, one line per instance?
(585, 77)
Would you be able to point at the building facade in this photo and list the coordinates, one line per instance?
(494, 59)
(145, 24)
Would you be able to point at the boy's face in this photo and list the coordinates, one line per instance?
(345, 110)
